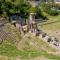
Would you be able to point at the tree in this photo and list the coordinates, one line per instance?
(6, 6)
(39, 13)
(0, 7)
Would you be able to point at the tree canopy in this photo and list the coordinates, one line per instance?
(22, 7)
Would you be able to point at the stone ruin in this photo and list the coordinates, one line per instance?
(32, 24)
(32, 27)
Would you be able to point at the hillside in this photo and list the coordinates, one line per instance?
(14, 46)
(52, 26)
(29, 30)
(29, 42)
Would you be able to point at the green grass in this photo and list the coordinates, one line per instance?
(50, 27)
(37, 44)
(12, 51)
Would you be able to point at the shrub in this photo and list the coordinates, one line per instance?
(39, 13)
(52, 12)
(48, 8)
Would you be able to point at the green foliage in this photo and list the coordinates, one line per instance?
(39, 13)
(32, 10)
(22, 7)
(24, 10)
(6, 6)
(53, 12)
(17, 6)
(48, 8)
(0, 7)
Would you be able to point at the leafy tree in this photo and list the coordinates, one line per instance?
(21, 7)
(0, 7)
(6, 6)
(39, 13)
(48, 8)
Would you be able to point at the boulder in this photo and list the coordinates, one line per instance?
(44, 35)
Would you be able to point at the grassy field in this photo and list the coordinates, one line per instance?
(11, 51)
(51, 28)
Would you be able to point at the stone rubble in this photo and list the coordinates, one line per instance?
(53, 41)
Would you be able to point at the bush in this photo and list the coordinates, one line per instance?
(48, 8)
(52, 12)
(39, 13)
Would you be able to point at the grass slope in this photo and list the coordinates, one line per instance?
(51, 28)
(12, 51)
(29, 46)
